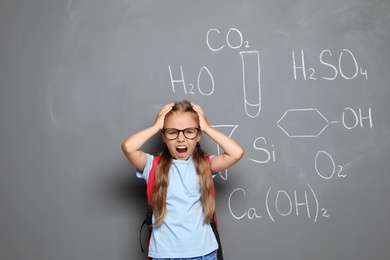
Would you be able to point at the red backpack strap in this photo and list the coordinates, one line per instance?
(149, 193)
(152, 174)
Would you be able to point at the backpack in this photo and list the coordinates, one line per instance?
(149, 212)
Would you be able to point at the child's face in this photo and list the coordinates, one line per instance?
(181, 148)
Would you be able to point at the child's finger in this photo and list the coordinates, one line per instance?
(162, 113)
(197, 108)
(165, 109)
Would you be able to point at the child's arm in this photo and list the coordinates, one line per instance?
(232, 150)
(132, 145)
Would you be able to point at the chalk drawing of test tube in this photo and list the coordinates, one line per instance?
(251, 82)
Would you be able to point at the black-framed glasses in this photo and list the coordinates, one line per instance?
(173, 133)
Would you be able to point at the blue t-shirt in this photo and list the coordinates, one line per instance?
(183, 233)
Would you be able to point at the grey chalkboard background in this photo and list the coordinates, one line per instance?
(302, 85)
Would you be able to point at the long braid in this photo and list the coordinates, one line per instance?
(161, 186)
(206, 183)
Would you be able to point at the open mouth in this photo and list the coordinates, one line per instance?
(181, 149)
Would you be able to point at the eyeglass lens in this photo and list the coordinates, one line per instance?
(189, 133)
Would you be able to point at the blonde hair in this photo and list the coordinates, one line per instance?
(202, 168)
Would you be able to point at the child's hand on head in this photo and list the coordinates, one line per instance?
(204, 124)
(161, 115)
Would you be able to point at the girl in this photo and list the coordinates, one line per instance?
(183, 201)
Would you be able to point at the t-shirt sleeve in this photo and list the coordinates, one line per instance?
(144, 174)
